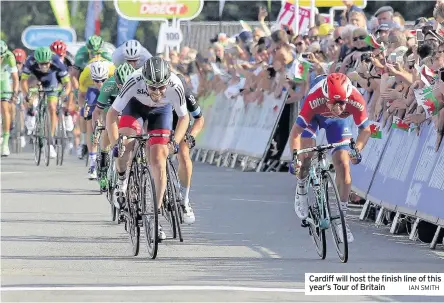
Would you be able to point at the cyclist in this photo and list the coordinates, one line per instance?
(20, 58)
(59, 48)
(8, 93)
(108, 94)
(131, 52)
(91, 81)
(149, 94)
(49, 69)
(93, 50)
(185, 164)
(330, 104)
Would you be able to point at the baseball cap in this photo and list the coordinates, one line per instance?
(325, 29)
(384, 9)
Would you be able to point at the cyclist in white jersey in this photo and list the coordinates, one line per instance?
(132, 52)
(149, 94)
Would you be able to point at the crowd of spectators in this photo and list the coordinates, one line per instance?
(387, 61)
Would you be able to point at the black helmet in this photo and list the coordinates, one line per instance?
(156, 71)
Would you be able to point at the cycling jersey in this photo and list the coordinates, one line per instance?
(57, 72)
(82, 57)
(136, 89)
(192, 106)
(91, 101)
(85, 80)
(119, 56)
(108, 94)
(315, 114)
(8, 66)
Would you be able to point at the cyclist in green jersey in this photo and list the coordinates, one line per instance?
(108, 94)
(93, 48)
(8, 92)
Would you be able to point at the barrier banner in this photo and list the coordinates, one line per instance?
(411, 173)
(231, 125)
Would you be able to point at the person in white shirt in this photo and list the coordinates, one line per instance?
(132, 52)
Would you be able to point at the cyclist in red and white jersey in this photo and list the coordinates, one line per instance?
(331, 104)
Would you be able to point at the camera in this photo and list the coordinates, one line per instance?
(441, 74)
(271, 72)
(365, 57)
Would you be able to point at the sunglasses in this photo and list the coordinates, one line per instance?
(314, 38)
(44, 63)
(340, 103)
(160, 88)
(359, 38)
(99, 81)
(132, 61)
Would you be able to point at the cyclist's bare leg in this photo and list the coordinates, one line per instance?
(305, 158)
(341, 161)
(6, 116)
(122, 162)
(185, 165)
(158, 155)
(52, 109)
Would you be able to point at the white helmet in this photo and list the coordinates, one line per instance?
(99, 70)
(133, 49)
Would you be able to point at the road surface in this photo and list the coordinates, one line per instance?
(246, 244)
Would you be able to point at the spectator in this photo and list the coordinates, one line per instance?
(313, 34)
(350, 7)
(384, 14)
(358, 19)
(399, 19)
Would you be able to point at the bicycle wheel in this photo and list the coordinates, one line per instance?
(336, 217)
(150, 216)
(112, 177)
(47, 136)
(133, 192)
(174, 202)
(17, 130)
(316, 232)
(60, 139)
(177, 185)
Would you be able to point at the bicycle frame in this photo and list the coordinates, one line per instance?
(318, 167)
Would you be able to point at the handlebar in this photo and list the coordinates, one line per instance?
(323, 148)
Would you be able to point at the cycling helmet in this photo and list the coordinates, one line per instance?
(43, 54)
(20, 55)
(122, 73)
(99, 70)
(95, 43)
(3, 47)
(156, 72)
(337, 87)
(132, 50)
(59, 47)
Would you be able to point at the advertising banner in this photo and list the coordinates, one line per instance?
(142, 10)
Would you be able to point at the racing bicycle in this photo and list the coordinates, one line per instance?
(324, 206)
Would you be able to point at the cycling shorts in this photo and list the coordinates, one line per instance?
(160, 120)
(336, 129)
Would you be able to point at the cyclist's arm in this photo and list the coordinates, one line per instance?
(66, 81)
(196, 112)
(180, 106)
(360, 117)
(301, 124)
(128, 90)
(14, 74)
(83, 85)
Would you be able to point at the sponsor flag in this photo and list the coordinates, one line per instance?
(400, 124)
(375, 128)
(126, 30)
(245, 25)
(61, 12)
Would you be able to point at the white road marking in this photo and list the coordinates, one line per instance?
(153, 288)
(262, 201)
(12, 172)
(269, 252)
